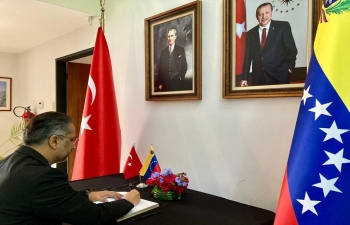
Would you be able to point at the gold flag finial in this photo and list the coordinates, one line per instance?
(102, 21)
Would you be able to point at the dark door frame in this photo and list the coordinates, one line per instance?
(61, 86)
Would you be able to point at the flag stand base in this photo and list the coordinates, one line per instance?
(142, 185)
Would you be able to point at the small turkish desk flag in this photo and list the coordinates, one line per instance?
(132, 165)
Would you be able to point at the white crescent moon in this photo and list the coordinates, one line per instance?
(92, 86)
(130, 157)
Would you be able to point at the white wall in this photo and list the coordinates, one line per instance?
(8, 68)
(234, 148)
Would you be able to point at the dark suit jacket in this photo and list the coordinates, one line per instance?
(31, 192)
(278, 56)
(163, 69)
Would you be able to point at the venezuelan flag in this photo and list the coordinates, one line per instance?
(150, 165)
(316, 185)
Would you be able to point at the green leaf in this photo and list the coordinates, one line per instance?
(339, 7)
(17, 133)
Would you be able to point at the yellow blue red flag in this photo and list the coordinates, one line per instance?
(150, 165)
(316, 185)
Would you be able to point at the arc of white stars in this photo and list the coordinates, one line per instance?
(333, 132)
(327, 185)
(306, 95)
(336, 159)
(320, 109)
(84, 124)
(155, 162)
(240, 28)
(308, 204)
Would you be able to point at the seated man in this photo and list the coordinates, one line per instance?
(32, 192)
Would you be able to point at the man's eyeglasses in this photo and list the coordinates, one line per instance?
(73, 140)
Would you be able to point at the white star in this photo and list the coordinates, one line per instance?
(240, 28)
(327, 185)
(308, 204)
(84, 124)
(320, 109)
(333, 132)
(306, 95)
(129, 164)
(336, 159)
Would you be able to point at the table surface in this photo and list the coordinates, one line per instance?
(194, 207)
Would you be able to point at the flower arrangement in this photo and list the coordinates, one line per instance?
(167, 181)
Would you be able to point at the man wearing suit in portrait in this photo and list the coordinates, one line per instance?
(270, 47)
(172, 66)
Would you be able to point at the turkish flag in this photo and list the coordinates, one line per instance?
(132, 165)
(241, 30)
(98, 151)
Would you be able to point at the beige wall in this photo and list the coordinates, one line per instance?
(234, 148)
(8, 68)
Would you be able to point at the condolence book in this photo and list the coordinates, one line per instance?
(142, 207)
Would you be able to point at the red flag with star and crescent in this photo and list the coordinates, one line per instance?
(98, 151)
(241, 30)
(132, 165)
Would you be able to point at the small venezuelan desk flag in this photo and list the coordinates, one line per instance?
(316, 185)
(150, 165)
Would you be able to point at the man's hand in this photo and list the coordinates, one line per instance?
(244, 83)
(103, 195)
(133, 196)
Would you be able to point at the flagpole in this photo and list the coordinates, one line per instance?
(141, 184)
(102, 20)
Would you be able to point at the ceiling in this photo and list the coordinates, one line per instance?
(25, 24)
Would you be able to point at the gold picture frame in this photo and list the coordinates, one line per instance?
(176, 75)
(231, 86)
(5, 94)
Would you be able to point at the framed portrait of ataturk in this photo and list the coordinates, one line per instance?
(173, 54)
(267, 46)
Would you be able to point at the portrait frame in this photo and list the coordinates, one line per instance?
(187, 20)
(5, 94)
(230, 87)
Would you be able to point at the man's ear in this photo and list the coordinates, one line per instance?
(53, 141)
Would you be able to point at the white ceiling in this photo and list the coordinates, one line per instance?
(25, 24)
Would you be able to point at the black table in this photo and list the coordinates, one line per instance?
(194, 207)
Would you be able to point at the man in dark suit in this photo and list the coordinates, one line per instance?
(271, 49)
(32, 192)
(172, 66)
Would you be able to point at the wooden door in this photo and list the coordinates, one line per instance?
(77, 79)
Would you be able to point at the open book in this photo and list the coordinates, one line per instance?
(142, 207)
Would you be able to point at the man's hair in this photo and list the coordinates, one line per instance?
(44, 125)
(262, 5)
(173, 30)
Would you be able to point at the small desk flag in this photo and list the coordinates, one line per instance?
(315, 189)
(132, 165)
(150, 165)
(98, 152)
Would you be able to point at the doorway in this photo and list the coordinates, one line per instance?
(68, 92)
